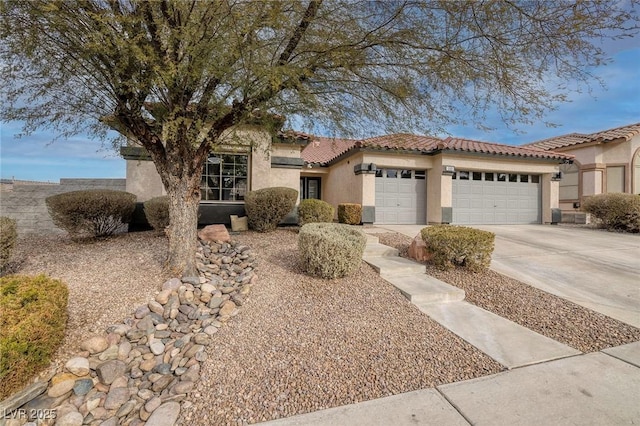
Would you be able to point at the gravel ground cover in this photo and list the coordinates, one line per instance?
(299, 343)
(302, 344)
(542, 312)
(107, 279)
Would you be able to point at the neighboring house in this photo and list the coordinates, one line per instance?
(605, 162)
(399, 179)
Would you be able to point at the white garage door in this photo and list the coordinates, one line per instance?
(401, 196)
(496, 198)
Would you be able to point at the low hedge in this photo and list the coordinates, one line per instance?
(8, 237)
(349, 213)
(32, 324)
(330, 250)
(459, 245)
(91, 213)
(312, 211)
(267, 207)
(156, 210)
(616, 212)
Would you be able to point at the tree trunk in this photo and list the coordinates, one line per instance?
(184, 199)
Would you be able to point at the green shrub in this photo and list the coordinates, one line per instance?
(91, 213)
(34, 316)
(156, 211)
(330, 250)
(8, 236)
(312, 211)
(620, 212)
(349, 213)
(459, 245)
(267, 207)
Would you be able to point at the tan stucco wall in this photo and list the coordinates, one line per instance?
(278, 176)
(342, 185)
(143, 180)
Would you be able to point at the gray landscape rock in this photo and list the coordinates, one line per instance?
(78, 366)
(94, 344)
(110, 370)
(165, 415)
(116, 397)
(82, 386)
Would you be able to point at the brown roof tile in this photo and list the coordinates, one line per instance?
(624, 132)
(467, 145)
(324, 150)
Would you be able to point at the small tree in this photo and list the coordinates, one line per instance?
(176, 76)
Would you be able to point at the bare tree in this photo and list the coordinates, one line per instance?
(176, 75)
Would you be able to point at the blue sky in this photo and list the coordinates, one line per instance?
(34, 157)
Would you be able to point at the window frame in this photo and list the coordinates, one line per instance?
(206, 176)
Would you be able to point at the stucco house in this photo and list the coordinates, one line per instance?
(398, 179)
(604, 162)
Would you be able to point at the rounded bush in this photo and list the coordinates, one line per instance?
(91, 213)
(330, 250)
(267, 207)
(459, 245)
(616, 212)
(8, 236)
(156, 211)
(32, 324)
(312, 211)
(349, 213)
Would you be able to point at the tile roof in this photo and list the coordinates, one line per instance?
(324, 150)
(624, 132)
(467, 145)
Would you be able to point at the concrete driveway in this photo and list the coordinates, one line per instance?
(595, 269)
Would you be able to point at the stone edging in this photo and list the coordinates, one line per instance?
(143, 369)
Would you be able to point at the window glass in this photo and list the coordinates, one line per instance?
(392, 173)
(420, 174)
(524, 178)
(502, 177)
(378, 172)
(455, 175)
(224, 177)
(488, 177)
(405, 174)
(513, 177)
(464, 175)
(477, 176)
(535, 179)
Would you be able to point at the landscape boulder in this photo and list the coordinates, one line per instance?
(212, 233)
(418, 250)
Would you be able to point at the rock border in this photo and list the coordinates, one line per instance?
(142, 370)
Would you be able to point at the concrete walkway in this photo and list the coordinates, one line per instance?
(596, 269)
(505, 341)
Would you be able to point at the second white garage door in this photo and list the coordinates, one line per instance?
(496, 198)
(401, 197)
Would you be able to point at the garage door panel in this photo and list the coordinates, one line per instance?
(496, 202)
(400, 200)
